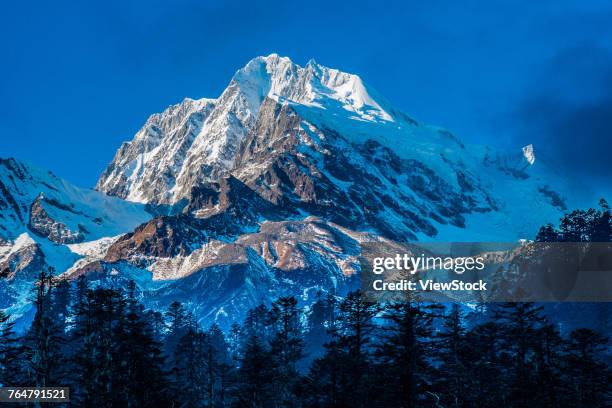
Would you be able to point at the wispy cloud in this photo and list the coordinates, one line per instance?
(568, 111)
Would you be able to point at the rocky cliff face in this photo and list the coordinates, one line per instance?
(220, 279)
(146, 169)
(304, 169)
(43, 225)
(21, 260)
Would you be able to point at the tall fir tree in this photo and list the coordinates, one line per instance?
(453, 376)
(10, 352)
(177, 324)
(520, 324)
(97, 379)
(139, 356)
(341, 377)
(43, 340)
(549, 387)
(405, 353)
(253, 388)
(589, 375)
(286, 349)
(190, 372)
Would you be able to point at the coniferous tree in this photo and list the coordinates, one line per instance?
(328, 381)
(405, 352)
(451, 346)
(601, 230)
(9, 352)
(341, 376)
(98, 380)
(355, 330)
(177, 324)
(589, 376)
(355, 325)
(256, 324)
(218, 365)
(190, 374)
(156, 320)
(59, 308)
(575, 226)
(43, 340)
(486, 368)
(139, 356)
(547, 233)
(520, 323)
(327, 378)
(320, 323)
(549, 386)
(59, 315)
(286, 349)
(253, 388)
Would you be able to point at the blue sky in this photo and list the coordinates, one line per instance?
(77, 79)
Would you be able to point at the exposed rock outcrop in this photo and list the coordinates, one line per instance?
(43, 225)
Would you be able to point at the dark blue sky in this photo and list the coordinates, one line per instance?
(77, 79)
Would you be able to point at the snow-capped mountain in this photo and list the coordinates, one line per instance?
(270, 189)
(319, 141)
(197, 140)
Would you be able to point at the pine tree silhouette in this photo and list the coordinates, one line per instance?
(9, 352)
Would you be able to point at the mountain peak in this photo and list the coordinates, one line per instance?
(314, 85)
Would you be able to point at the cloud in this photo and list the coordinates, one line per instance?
(567, 113)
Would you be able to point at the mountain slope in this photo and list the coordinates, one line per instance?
(42, 218)
(36, 200)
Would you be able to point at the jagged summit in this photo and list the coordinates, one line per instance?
(197, 140)
(313, 85)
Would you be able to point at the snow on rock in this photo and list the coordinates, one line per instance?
(529, 154)
(96, 248)
(7, 249)
(145, 169)
(42, 224)
(58, 210)
(284, 245)
(90, 251)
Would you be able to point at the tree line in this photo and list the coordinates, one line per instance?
(338, 352)
(111, 352)
(592, 225)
